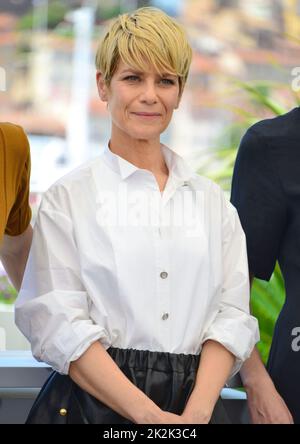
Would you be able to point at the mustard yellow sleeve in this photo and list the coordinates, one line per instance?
(20, 213)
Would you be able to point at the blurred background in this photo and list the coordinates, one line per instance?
(245, 66)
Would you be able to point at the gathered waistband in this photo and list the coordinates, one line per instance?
(156, 360)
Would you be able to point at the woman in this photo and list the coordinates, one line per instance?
(15, 213)
(120, 294)
(270, 214)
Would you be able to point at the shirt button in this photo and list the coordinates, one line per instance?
(163, 274)
(165, 316)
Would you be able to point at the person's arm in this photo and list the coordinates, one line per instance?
(98, 374)
(15, 245)
(214, 369)
(258, 202)
(14, 252)
(265, 404)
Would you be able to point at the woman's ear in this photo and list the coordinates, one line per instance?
(101, 85)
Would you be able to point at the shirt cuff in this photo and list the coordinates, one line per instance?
(61, 362)
(237, 331)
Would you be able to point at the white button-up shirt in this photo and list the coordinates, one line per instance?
(113, 259)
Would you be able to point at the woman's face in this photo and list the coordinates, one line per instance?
(141, 103)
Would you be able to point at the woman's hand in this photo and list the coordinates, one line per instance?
(159, 416)
(197, 412)
(266, 406)
(185, 418)
(195, 417)
(170, 418)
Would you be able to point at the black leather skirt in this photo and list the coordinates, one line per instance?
(166, 378)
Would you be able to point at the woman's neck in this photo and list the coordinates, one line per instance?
(143, 154)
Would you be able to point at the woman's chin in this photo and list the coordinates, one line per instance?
(145, 135)
(149, 131)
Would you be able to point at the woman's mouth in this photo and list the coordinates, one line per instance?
(147, 115)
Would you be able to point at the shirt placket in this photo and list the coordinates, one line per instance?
(163, 276)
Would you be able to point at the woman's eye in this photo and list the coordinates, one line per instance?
(164, 81)
(131, 78)
(168, 81)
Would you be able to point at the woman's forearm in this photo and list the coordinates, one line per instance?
(14, 253)
(98, 374)
(253, 371)
(215, 366)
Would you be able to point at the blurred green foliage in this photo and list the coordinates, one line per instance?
(56, 14)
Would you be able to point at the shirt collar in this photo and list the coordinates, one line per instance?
(177, 166)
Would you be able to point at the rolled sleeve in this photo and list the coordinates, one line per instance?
(232, 325)
(237, 332)
(52, 309)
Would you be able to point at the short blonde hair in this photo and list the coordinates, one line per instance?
(146, 35)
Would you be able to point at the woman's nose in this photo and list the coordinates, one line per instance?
(149, 93)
